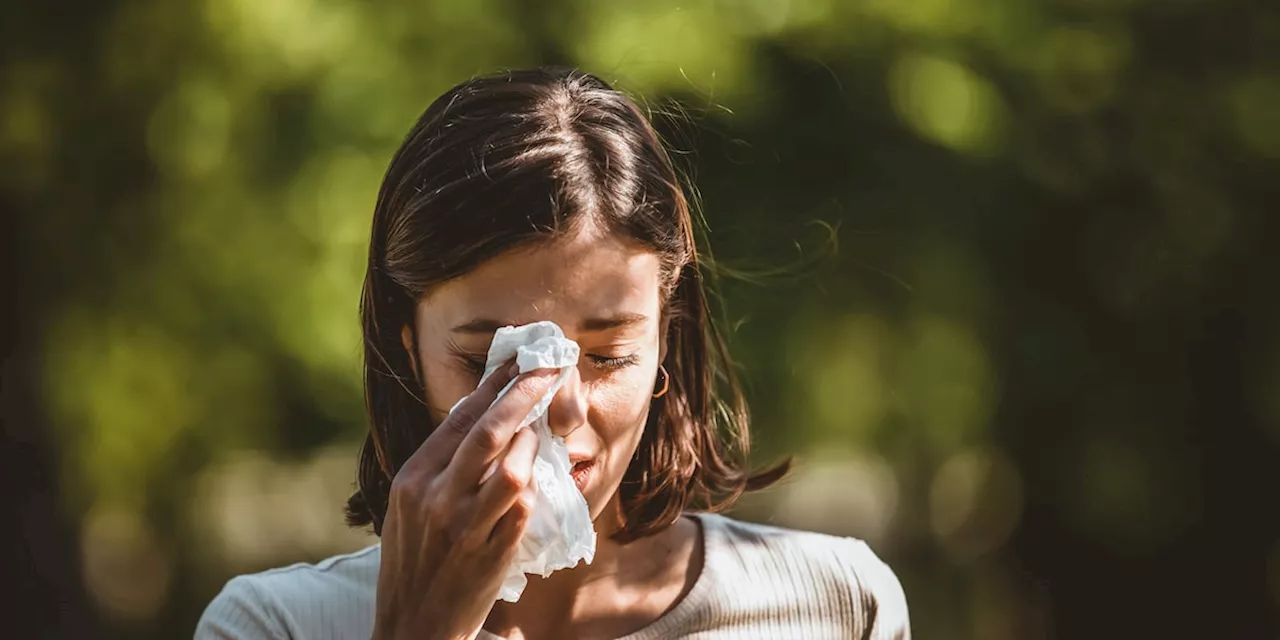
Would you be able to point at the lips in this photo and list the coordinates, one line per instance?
(582, 471)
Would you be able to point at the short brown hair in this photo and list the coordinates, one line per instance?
(499, 162)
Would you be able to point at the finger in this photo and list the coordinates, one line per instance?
(510, 477)
(512, 525)
(492, 433)
(443, 441)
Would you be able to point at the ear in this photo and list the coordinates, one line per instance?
(406, 338)
(663, 329)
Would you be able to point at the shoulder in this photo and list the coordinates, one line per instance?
(330, 598)
(836, 570)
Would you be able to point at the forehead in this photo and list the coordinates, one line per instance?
(564, 280)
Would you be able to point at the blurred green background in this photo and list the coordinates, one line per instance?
(999, 273)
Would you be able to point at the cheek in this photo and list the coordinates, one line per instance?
(618, 415)
(617, 418)
(446, 385)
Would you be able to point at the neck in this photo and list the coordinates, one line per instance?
(620, 590)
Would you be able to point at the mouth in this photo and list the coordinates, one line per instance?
(581, 473)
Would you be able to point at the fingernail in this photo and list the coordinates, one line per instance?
(514, 370)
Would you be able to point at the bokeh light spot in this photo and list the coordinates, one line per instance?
(947, 385)
(946, 102)
(975, 501)
(126, 570)
(842, 493)
(1132, 498)
(1253, 106)
(662, 46)
(188, 132)
(843, 379)
(1077, 67)
(251, 510)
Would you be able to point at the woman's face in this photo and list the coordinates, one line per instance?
(605, 294)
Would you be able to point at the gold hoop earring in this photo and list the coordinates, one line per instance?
(666, 382)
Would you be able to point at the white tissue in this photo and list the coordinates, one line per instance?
(559, 534)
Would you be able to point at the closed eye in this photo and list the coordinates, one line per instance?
(473, 364)
(605, 363)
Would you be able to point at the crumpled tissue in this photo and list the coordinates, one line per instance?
(559, 533)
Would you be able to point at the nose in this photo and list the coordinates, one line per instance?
(568, 409)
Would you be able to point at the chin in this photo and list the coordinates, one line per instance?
(601, 497)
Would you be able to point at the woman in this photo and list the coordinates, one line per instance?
(546, 195)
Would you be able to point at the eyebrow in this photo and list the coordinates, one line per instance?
(485, 325)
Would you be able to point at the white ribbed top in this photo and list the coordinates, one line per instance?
(757, 581)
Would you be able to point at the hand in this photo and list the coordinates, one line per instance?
(452, 528)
